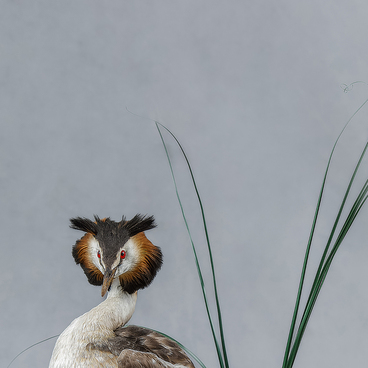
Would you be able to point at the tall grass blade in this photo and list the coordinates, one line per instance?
(222, 355)
(218, 308)
(337, 221)
(219, 353)
(321, 273)
(324, 264)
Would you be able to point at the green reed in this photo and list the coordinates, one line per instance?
(334, 241)
(296, 334)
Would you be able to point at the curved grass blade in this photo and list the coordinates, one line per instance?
(29, 347)
(219, 353)
(218, 350)
(318, 273)
(318, 281)
(323, 270)
(218, 308)
(318, 287)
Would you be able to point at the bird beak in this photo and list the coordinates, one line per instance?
(107, 280)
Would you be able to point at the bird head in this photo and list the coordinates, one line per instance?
(110, 250)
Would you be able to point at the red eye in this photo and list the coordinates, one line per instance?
(99, 254)
(122, 254)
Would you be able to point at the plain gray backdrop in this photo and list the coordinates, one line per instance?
(252, 89)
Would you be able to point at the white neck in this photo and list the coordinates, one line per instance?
(117, 309)
(97, 325)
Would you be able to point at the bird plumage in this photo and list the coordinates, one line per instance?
(147, 346)
(118, 256)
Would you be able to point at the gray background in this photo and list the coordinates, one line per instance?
(252, 90)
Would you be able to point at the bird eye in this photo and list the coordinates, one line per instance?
(122, 254)
(98, 254)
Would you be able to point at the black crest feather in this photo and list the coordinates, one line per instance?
(138, 224)
(84, 224)
(134, 226)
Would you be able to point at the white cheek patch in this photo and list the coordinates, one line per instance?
(94, 248)
(131, 259)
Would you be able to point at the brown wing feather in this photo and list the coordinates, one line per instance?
(141, 347)
(136, 359)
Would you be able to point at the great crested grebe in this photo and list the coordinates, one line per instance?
(118, 256)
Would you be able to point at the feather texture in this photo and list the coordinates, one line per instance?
(143, 346)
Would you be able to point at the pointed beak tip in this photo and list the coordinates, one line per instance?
(107, 281)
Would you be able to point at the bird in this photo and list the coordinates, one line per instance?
(119, 257)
